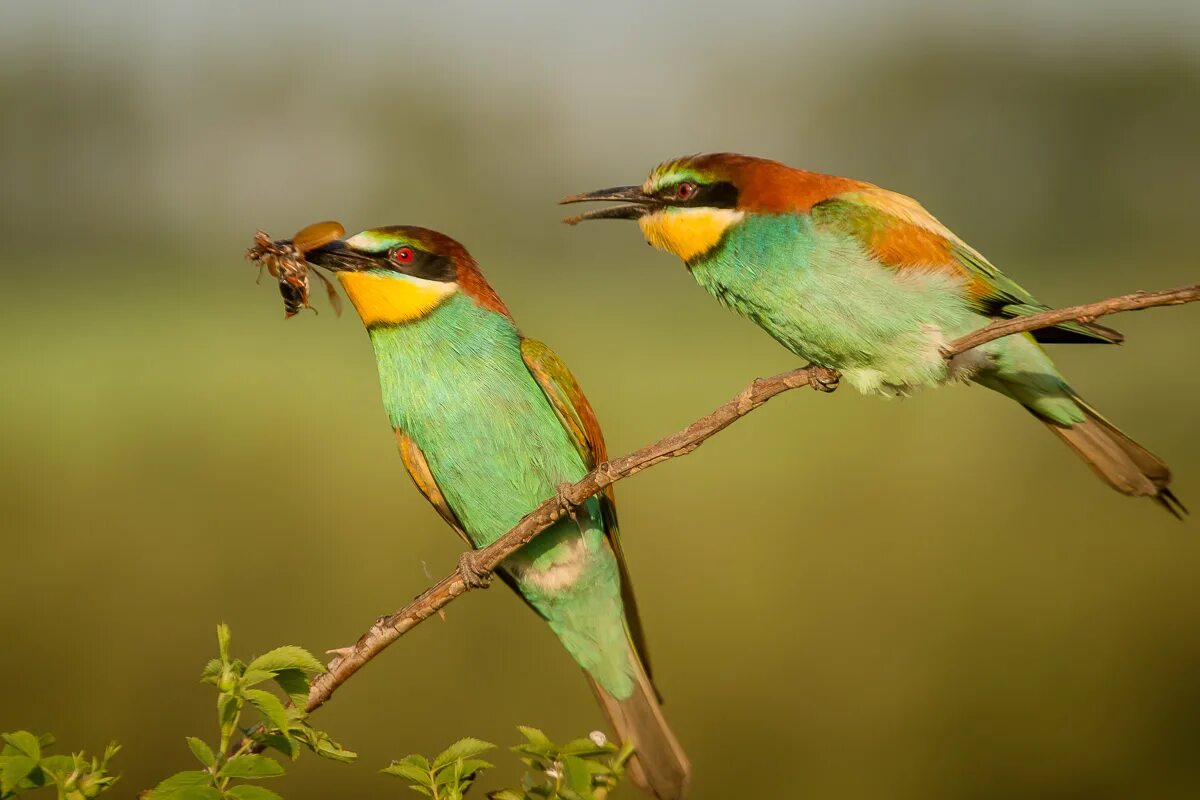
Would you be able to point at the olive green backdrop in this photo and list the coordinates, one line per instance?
(846, 597)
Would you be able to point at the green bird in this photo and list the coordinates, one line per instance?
(489, 424)
(863, 280)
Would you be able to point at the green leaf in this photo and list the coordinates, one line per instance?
(270, 707)
(464, 771)
(535, 736)
(409, 772)
(223, 636)
(287, 657)
(16, 768)
(211, 670)
(463, 748)
(295, 684)
(415, 760)
(577, 776)
(189, 785)
(228, 709)
(251, 766)
(327, 748)
(25, 743)
(506, 794)
(253, 677)
(473, 765)
(57, 764)
(321, 744)
(248, 791)
(421, 789)
(110, 751)
(201, 751)
(584, 748)
(283, 743)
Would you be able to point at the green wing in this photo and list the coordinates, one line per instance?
(581, 425)
(422, 476)
(902, 235)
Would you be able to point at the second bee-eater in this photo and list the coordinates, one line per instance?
(489, 424)
(863, 280)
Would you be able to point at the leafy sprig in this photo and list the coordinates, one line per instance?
(282, 727)
(25, 765)
(582, 769)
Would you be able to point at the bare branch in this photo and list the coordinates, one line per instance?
(388, 629)
(1046, 319)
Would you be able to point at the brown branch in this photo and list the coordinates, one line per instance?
(389, 628)
(1084, 313)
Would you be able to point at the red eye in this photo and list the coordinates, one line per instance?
(685, 191)
(402, 255)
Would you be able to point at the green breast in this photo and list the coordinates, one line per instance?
(454, 381)
(456, 384)
(821, 295)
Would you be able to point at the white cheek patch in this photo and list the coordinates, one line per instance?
(364, 242)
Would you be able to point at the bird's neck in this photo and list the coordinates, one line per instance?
(433, 359)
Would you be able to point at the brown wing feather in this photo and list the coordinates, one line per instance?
(579, 420)
(902, 235)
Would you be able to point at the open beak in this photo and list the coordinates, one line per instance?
(636, 204)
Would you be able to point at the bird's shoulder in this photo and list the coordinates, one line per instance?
(567, 399)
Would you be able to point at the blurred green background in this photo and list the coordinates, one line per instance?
(846, 597)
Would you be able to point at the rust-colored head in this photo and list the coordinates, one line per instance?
(400, 273)
(687, 205)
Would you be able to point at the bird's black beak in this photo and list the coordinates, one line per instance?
(340, 257)
(637, 204)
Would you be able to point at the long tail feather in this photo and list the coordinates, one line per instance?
(659, 765)
(1118, 460)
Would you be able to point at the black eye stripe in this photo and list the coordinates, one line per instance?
(428, 266)
(721, 194)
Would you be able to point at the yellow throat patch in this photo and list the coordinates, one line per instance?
(389, 300)
(688, 232)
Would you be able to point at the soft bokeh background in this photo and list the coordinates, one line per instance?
(846, 597)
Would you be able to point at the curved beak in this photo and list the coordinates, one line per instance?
(636, 204)
(341, 257)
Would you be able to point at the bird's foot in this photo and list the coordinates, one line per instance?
(473, 576)
(564, 502)
(823, 379)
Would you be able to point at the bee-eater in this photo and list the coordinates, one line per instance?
(489, 424)
(863, 280)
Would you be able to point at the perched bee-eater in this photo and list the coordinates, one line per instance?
(867, 282)
(489, 424)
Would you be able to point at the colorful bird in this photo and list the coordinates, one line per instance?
(489, 424)
(866, 281)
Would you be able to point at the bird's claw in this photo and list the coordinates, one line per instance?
(564, 502)
(824, 379)
(472, 575)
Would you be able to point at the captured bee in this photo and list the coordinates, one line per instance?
(284, 260)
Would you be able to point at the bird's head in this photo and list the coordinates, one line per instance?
(688, 205)
(400, 273)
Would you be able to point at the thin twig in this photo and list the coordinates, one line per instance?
(389, 628)
(1085, 313)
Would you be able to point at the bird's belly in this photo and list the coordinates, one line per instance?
(882, 329)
